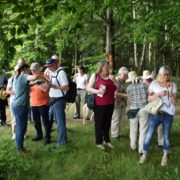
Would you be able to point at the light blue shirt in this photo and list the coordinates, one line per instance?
(21, 90)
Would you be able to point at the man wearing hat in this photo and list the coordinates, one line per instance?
(58, 87)
(138, 97)
(39, 99)
(120, 104)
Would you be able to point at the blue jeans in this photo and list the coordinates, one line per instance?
(153, 123)
(21, 116)
(60, 117)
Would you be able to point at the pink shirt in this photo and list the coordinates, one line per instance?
(108, 97)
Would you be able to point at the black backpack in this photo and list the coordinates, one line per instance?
(72, 92)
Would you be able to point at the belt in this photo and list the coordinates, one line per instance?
(162, 112)
(79, 89)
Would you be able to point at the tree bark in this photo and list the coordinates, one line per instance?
(135, 44)
(109, 35)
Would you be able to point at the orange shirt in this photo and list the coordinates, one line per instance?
(37, 96)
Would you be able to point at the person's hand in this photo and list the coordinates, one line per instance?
(161, 93)
(101, 91)
(170, 87)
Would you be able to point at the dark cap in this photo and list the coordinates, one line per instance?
(49, 62)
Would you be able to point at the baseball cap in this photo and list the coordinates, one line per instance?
(49, 62)
(55, 57)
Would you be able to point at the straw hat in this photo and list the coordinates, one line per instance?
(146, 75)
(131, 76)
(3, 94)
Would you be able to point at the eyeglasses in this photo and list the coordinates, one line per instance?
(166, 74)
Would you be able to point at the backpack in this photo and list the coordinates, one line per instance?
(72, 92)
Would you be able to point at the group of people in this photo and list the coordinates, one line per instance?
(45, 93)
(110, 97)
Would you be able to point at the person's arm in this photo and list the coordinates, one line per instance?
(74, 78)
(9, 89)
(153, 96)
(121, 95)
(90, 87)
(64, 88)
(62, 78)
(172, 93)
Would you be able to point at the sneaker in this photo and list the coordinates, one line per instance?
(76, 117)
(164, 161)
(100, 146)
(13, 137)
(109, 145)
(142, 159)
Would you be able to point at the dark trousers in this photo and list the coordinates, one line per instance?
(3, 115)
(39, 112)
(102, 117)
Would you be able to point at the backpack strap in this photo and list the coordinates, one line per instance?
(57, 79)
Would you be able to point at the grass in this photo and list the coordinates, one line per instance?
(80, 159)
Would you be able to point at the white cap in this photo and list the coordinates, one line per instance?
(55, 57)
(123, 70)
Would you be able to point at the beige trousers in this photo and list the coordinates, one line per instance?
(13, 122)
(139, 123)
(117, 121)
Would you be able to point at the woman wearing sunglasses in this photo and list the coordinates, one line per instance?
(162, 87)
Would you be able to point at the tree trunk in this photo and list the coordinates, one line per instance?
(149, 53)
(135, 44)
(109, 34)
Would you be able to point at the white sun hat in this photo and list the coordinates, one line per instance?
(146, 75)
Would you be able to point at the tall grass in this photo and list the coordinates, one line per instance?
(80, 159)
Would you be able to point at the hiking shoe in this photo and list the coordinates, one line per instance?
(109, 145)
(164, 161)
(142, 159)
(100, 146)
(37, 139)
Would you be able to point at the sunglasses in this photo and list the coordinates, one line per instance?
(166, 74)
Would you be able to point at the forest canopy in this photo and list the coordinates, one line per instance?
(139, 34)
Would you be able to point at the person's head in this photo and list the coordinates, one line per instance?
(147, 78)
(164, 74)
(122, 73)
(23, 69)
(52, 64)
(35, 68)
(81, 69)
(21, 61)
(103, 67)
(132, 77)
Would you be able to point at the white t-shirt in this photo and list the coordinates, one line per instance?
(167, 106)
(81, 81)
(62, 79)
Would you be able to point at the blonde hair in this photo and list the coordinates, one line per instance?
(101, 64)
(163, 70)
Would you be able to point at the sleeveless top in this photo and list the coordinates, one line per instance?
(108, 97)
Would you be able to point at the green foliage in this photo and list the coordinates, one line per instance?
(37, 29)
